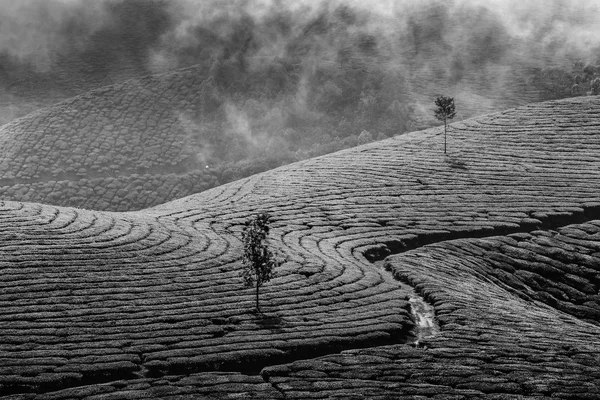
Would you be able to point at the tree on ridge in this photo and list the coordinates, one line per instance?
(258, 261)
(445, 111)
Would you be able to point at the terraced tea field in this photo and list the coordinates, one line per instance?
(500, 237)
(137, 144)
(122, 147)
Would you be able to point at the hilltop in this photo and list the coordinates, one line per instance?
(500, 237)
(149, 140)
(127, 104)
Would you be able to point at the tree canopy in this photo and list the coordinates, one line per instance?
(445, 110)
(258, 260)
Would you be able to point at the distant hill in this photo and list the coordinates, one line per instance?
(121, 147)
(120, 112)
(499, 237)
(153, 139)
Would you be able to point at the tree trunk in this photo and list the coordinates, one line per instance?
(445, 129)
(257, 307)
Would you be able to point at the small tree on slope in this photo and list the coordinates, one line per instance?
(258, 261)
(444, 112)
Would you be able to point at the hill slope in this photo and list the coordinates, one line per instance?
(122, 147)
(149, 304)
(266, 90)
(150, 140)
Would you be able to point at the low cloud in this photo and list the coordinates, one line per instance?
(305, 64)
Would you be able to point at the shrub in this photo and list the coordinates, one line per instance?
(365, 137)
(595, 86)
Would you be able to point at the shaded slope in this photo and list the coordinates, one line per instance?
(148, 140)
(558, 267)
(95, 297)
(156, 292)
(122, 147)
(493, 343)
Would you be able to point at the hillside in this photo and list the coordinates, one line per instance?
(123, 104)
(150, 140)
(122, 147)
(500, 238)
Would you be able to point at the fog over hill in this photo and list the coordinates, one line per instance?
(241, 87)
(52, 49)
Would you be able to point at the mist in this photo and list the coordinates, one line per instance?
(286, 76)
(150, 36)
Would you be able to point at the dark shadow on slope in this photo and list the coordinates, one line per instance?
(376, 254)
(455, 163)
(126, 371)
(253, 362)
(536, 222)
(272, 323)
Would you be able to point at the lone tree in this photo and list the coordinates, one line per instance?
(258, 261)
(444, 112)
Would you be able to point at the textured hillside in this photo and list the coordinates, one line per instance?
(122, 147)
(143, 142)
(496, 339)
(149, 304)
(338, 72)
(147, 141)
